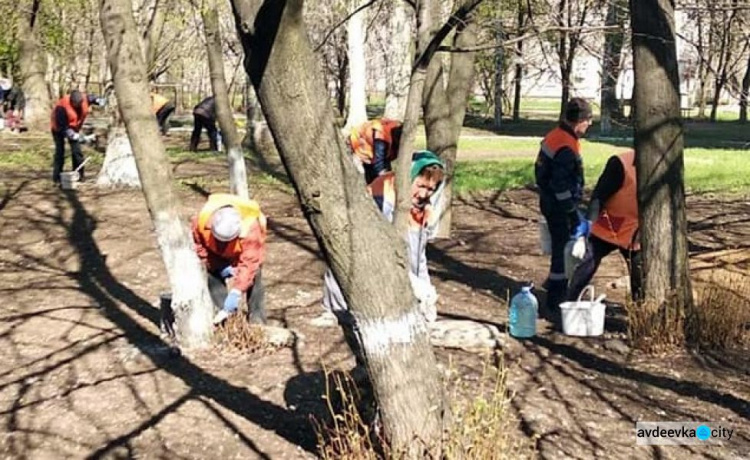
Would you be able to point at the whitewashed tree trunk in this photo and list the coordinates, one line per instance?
(357, 67)
(191, 301)
(119, 168)
(398, 60)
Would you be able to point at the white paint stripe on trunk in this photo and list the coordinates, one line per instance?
(379, 335)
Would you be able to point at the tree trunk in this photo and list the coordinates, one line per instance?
(398, 60)
(659, 156)
(229, 134)
(745, 94)
(518, 78)
(33, 66)
(499, 72)
(613, 42)
(445, 108)
(351, 232)
(190, 298)
(119, 168)
(357, 66)
(152, 36)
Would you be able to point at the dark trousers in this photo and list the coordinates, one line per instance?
(370, 174)
(200, 122)
(162, 117)
(560, 231)
(255, 296)
(585, 271)
(76, 155)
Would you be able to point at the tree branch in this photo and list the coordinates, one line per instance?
(342, 22)
(536, 33)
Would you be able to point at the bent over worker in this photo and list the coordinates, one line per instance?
(66, 121)
(559, 177)
(162, 108)
(614, 211)
(229, 234)
(427, 173)
(374, 144)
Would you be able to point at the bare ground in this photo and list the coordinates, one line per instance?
(84, 371)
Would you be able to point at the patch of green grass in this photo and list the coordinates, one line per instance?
(706, 170)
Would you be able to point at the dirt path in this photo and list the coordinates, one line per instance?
(84, 372)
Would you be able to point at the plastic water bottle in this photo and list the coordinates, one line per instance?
(524, 310)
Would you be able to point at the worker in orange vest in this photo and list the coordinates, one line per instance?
(374, 145)
(614, 211)
(559, 178)
(162, 108)
(427, 174)
(229, 234)
(66, 121)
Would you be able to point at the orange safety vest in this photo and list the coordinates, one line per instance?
(157, 102)
(74, 121)
(249, 213)
(362, 138)
(618, 220)
(557, 139)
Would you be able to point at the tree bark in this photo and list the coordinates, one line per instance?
(152, 36)
(33, 67)
(190, 298)
(613, 42)
(398, 60)
(357, 66)
(445, 106)
(224, 113)
(499, 72)
(345, 221)
(745, 94)
(659, 156)
(518, 78)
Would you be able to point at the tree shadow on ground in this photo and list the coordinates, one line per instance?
(96, 280)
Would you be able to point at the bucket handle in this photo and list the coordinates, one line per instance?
(590, 289)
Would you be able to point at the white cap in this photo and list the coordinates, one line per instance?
(225, 224)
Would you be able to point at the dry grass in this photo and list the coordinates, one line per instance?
(655, 328)
(483, 426)
(347, 436)
(721, 319)
(238, 334)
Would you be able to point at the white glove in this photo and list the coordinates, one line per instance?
(426, 295)
(579, 248)
(90, 139)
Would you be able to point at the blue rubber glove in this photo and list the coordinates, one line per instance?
(583, 229)
(227, 272)
(232, 302)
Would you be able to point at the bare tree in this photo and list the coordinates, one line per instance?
(33, 65)
(190, 298)
(659, 156)
(745, 93)
(355, 29)
(224, 113)
(398, 59)
(521, 19)
(152, 35)
(345, 221)
(613, 42)
(444, 102)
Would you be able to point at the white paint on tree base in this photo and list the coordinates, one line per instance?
(119, 168)
(380, 335)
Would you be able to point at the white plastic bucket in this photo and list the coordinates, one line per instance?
(545, 239)
(69, 180)
(583, 318)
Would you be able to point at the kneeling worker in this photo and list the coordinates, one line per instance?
(229, 234)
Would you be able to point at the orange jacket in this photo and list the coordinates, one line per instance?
(157, 102)
(362, 138)
(245, 253)
(74, 120)
(618, 220)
